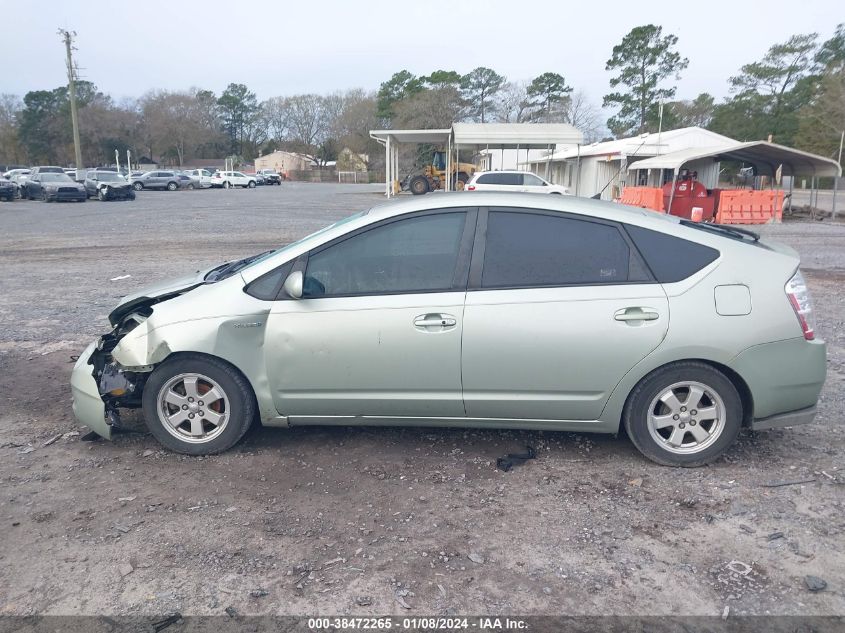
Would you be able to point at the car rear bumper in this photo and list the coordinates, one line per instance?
(784, 377)
(88, 405)
(792, 418)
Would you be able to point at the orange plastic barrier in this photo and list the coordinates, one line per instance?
(644, 197)
(743, 206)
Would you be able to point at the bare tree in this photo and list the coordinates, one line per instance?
(513, 104)
(435, 108)
(304, 120)
(11, 150)
(174, 122)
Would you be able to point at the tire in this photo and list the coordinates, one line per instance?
(138, 186)
(236, 405)
(670, 434)
(227, 185)
(251, 184)
(44, 196)
(172, 186)
(418, 185)
(191, 186)
(101, 195)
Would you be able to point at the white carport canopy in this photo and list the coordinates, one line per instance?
(475, 136)
(515, 135)
(766, 157)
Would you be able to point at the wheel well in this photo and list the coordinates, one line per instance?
(738, 382)
(215, 359)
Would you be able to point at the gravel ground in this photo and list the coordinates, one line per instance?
(371, 520)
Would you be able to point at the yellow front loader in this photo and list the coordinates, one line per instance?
(433, 175)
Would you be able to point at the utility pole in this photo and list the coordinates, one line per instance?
(68, 36)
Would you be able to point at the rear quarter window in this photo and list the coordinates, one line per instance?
(670, 258)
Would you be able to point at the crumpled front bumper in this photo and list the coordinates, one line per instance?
(88, 405)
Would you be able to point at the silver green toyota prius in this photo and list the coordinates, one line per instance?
(493, 310)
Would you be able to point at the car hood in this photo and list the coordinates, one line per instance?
(56, 185)
(117, 184)
(156, 293)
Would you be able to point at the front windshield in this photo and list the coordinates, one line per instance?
(49, 177)
(110, 176)
(230, 268)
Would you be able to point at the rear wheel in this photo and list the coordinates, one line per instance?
(191, 186)
(227, 185)
(138, 186)
(198, 405)
(683, 414)
(418, 185)
(44, 196)
(172, 186)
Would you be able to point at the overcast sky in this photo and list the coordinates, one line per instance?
(280, 48)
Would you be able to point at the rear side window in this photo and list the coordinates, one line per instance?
(526, 250)
(670, 258)
(488, 179)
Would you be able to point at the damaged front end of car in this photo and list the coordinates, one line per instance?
(100, 385)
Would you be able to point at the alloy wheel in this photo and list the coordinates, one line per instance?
(686, 417)
(193, 408)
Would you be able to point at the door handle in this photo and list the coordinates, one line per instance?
(435, 320)
(636, 314)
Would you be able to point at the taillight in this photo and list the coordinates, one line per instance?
(799, 298)
(470, 187)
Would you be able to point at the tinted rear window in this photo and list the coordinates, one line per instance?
(528, 250)
(671, 258)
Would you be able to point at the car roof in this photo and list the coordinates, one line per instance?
(505, 171)
(565, 204)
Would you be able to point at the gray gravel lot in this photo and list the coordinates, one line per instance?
(367, 520)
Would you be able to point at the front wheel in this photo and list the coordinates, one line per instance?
(251, 184)
(44, 197)
(683, 414)
(191, 186)
(101, 195)
(198, 405)
(227, 185)
(418, 185)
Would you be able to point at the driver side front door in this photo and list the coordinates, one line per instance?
(378, 329)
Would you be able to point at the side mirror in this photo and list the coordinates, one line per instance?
(293, 285)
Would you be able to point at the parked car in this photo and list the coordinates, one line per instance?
(492, 310)
(17, 176)
(55, 187)
(108, 185)
(228, 179)
(272, 176)
(521, 181)
(202, 176)
(260, 180)
(156, 180)
(45, 169)
(187, 182)
(8, 190)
